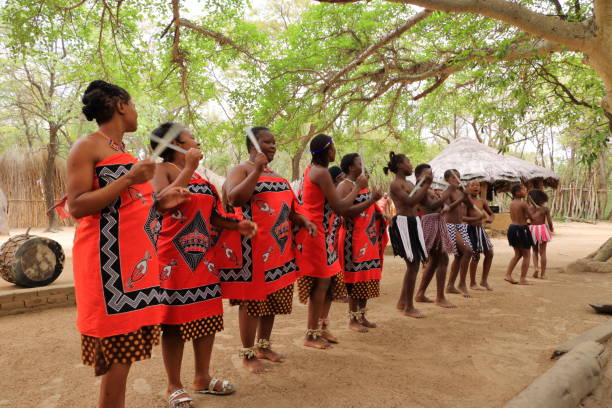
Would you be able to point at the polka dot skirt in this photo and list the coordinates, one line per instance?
(279, 302)
(364, 290)
(201, 327)
(102, 352)
(337, 289)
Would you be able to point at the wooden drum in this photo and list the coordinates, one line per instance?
(31, 261)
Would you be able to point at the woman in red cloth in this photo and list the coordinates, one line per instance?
(317, 256)
(362, 241)
(115, 265)
(192, 306)
(263, 287)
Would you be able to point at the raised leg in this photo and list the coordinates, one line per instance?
(517, 256)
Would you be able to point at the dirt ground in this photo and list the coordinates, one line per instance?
(478, 355)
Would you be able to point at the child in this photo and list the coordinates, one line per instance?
(519, 236)
(406, 232)
(541, 229)
(476, 214)
(457, 230)
(437, 241)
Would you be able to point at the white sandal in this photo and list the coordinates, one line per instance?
(175, 402)
(227, 388)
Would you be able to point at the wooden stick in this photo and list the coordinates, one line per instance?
(463, 185)
(418, 185)
(170, 146)
(167, 140)
(252, 138)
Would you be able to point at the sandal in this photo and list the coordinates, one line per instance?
(175, 402)
(227, 388)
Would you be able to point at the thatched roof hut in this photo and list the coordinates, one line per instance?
(476, 161)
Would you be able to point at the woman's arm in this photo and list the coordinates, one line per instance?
(339, 205)
(82, 199)
(240, 185)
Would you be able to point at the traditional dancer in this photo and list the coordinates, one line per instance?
(437, 240)
(337, 175)
(457, 230)
(263, 286)
(362, 242)
(406, 232)
(541, 230)
(478, 212)
(193, 309)
(115, 265)
(519, 236)
(317, 256)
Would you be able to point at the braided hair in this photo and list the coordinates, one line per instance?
(100, 100)
(319, 148)
(394, 161)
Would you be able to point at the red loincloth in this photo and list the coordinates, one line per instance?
(187, 275)
(115, 265)
(317, 256)
(252, 268)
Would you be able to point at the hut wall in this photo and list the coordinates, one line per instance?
(21, 176)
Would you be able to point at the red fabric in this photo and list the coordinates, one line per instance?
(362, 242)
(317, 256)
(115, 265)
(251, 269)
(186, 264)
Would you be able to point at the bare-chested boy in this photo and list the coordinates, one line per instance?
(519, 236)
(457, 230)
(437, 240)
(541, 230)
(478, 213)
(406, 232)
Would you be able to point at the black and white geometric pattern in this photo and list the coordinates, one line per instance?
(201, 189)
(330, 233)
(277, 273)
(349, 264)
(244, 273)
(271, 186)
(280, 229)
(116, 299)
(193, 241)
(153, 226)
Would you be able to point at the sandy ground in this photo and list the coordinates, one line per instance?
(478, 355)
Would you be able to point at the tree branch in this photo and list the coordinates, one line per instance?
(377, 45)
(218, 37)
(572, 34)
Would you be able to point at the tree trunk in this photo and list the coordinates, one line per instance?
(295, 160)
(49, 176)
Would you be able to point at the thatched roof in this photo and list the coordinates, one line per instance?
(476, 161)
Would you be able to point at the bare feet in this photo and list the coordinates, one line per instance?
(329, 337)
(269, 354)
(422, 299)
(524, 281)
(536, 274)
(318, 343)
(365, 322)
(445, 303)
(464, 291)
(253, 365)
(486, 285)
(452, 289)
(510, 280)
(356, 326)
(413, 313)
(543, 276)
(400, 305)
(474, 286)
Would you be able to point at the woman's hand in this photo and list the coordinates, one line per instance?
(172, 197)
(247, 228)
(141, 172)
(311, 228)
(192, 158)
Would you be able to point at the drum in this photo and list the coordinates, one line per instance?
(31, 261)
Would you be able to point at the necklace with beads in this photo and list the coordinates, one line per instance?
(113, 145)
